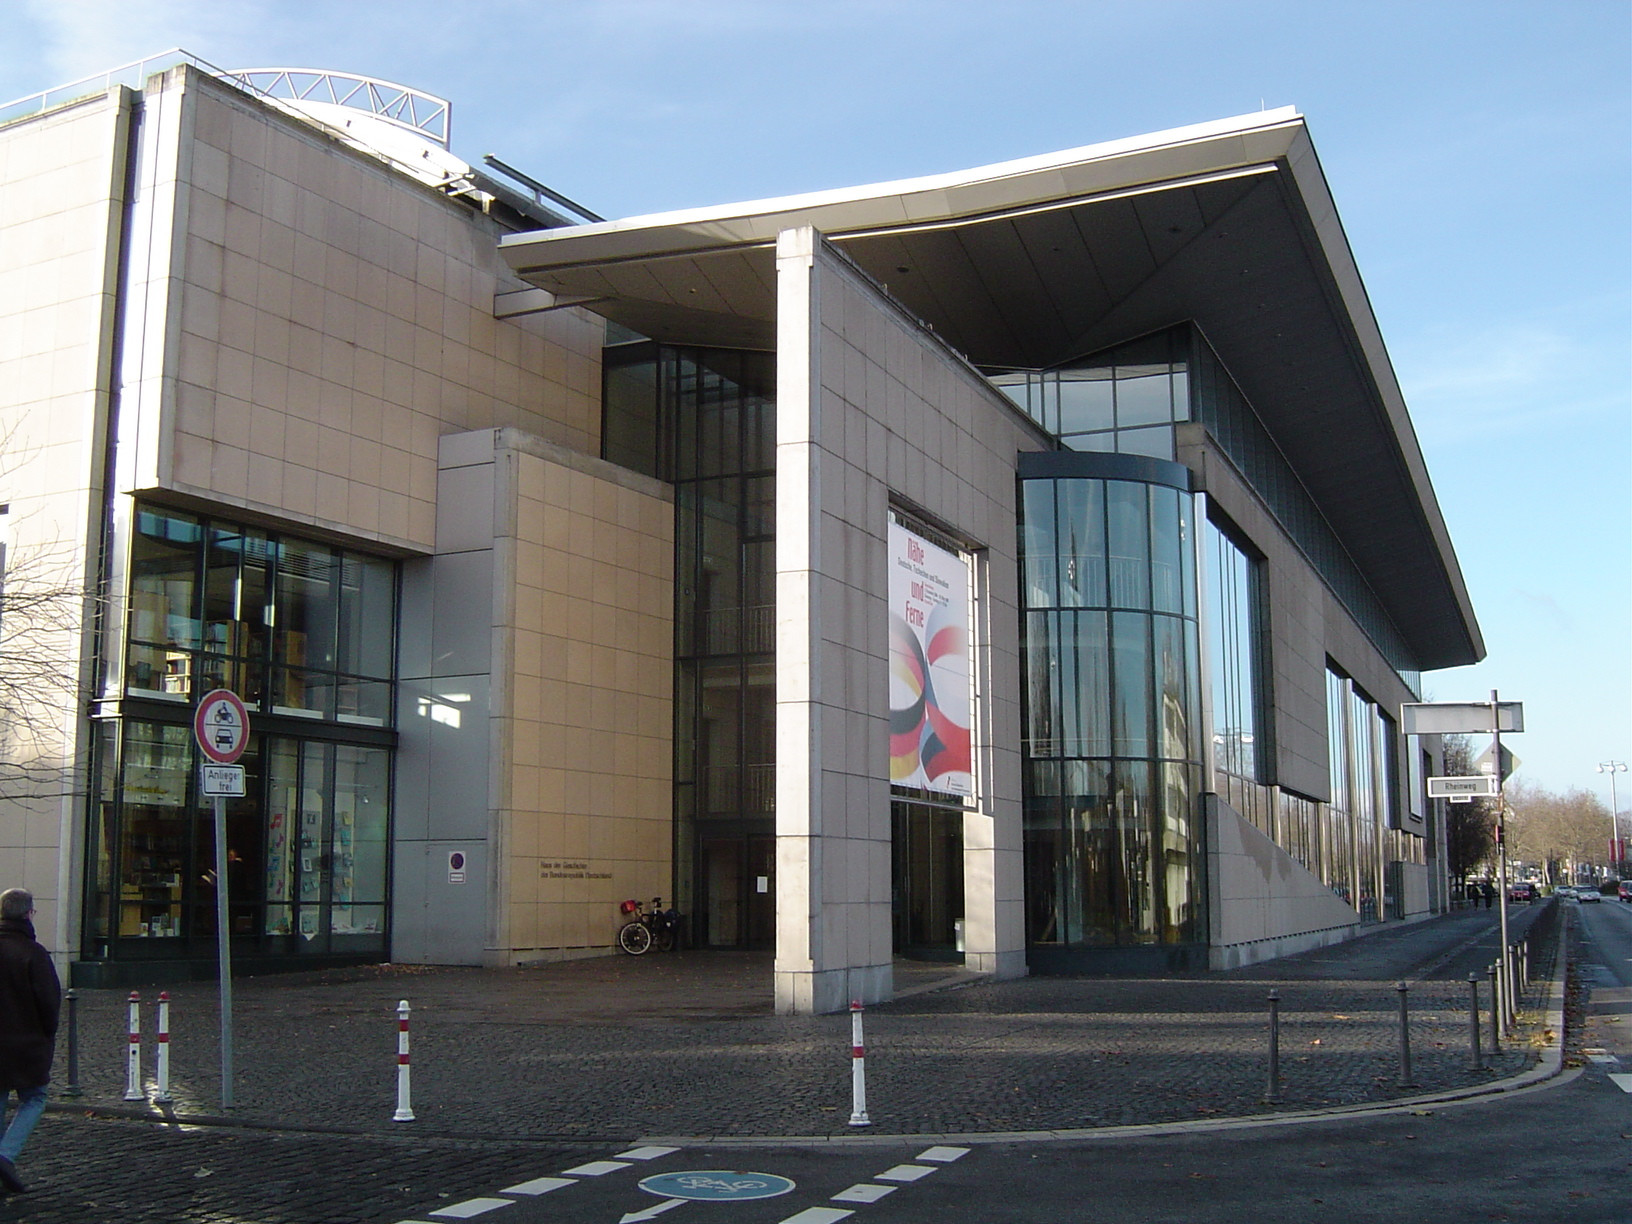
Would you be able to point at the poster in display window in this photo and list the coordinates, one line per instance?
(930, 690)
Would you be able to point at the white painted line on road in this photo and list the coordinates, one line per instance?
(942, 1155)
(861, 1192)
(595, 1168)
(646, 1153)
(905, 1173)
(817, 1215)
(1602, 1058)
(1622, 1081)
(539, 1185)
(650, 1213)
(473, 1207)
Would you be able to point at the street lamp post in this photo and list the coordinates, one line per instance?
(1612, 768)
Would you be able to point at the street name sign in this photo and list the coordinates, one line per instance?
(1460, 717)
(1477, 785)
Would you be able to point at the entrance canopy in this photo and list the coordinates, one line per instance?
(1032, 263)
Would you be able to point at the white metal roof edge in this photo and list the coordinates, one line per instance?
(1215, 129)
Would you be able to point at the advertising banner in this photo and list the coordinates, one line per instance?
(930, 691)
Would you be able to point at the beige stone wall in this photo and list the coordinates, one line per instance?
(60, 186)
(872, 408)
(586, 754)
(319, 322)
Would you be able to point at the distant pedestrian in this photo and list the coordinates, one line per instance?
(30, 996)
(1488, 891)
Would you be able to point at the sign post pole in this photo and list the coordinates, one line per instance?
(1508, 1017)
(221, 726)
(223, 949)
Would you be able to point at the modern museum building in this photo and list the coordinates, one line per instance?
(1022, 566)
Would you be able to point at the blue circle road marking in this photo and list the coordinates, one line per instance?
(717, 1184)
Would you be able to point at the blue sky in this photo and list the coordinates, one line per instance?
(1480, 155)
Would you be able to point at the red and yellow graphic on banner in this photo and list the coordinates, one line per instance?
(929, 666)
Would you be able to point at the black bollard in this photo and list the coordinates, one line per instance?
(1273, 1094)
(1495, 1008)
(1478, 1063)
(1405, 1036)
(73, 1089)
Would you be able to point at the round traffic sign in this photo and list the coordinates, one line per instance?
(717, 1185)
(221, 726)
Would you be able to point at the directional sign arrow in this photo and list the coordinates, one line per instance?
(652, 1212)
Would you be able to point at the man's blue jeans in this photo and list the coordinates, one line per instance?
(30, 1105)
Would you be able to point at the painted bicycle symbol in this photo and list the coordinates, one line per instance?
(717, 1184)
(701, 1181)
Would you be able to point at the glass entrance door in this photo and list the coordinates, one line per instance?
(738, 893)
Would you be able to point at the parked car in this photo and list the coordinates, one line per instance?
(1564, 890)
(1523, 890)
(1588, 892)
(1625, 890)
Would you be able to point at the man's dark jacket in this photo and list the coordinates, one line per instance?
(29, 998)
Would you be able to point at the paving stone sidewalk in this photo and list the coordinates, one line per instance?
(687, 1044)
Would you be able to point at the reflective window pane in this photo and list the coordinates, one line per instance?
(1155, 441)
(1080, 543)
(166, 550)
(1086, 401)
(1037, 546)
(1128, 519)
(1130, 664)
(1142, 397)
(307, 602)
(154, 866)
(367, 616)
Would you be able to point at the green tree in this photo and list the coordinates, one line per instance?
(1470, 828)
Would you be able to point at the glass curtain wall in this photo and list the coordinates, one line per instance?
(1364, 836)
(1112, 843)
(305, 634)
(1234, 603)
(1128, 398)
(705, 421)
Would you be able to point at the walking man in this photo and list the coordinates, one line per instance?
(30, 996)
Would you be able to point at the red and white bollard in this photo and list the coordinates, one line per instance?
(405, 1110)
(858, 1069)
(133, 1062)
(162, 1058)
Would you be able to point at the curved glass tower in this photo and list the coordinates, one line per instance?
(1113, 761)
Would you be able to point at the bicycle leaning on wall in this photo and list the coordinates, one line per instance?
(648, 927)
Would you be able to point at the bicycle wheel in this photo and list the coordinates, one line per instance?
(664, 938)
(634, 938)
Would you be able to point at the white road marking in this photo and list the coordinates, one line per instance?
(905, 1173)
(861, 1192)
(1622, 1081)
(650, 1213)
(1602, 1058)
(473, 1207)
(539, 1185)
(595, 1168)
(817, 1215)
(645, 1153)
(942, 1155)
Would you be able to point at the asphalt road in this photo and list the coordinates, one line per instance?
(1561, 1151)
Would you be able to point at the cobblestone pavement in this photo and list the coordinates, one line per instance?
(686, 1044)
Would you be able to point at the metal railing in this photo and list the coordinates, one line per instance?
(410, 109)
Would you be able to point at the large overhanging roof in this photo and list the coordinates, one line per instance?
(1036, 262)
